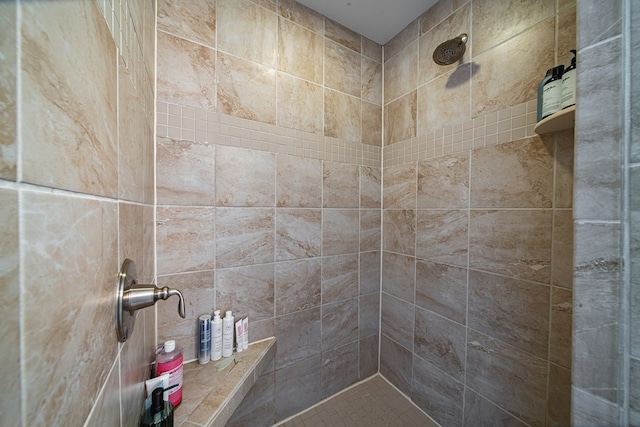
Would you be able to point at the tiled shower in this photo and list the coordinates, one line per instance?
(442, 258)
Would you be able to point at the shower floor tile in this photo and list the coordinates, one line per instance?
(373, 403)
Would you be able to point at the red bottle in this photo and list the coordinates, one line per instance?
(169, 360)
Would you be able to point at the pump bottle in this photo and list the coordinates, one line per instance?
(569, 84)
(227, 335)
(216, 332)
(552, 92)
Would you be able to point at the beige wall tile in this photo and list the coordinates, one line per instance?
(560, 327)
(523, 179)
(8, 74)
(400, 119)
(442, 236)
(340, 185)
(339, 231)
(78, 270)
(559, 395)
(342, 69)
(441, 342)
(244, 177)
(444, 182)
(371, 124)
(301, 15)
(372, 81)
(300, 104)
(298, 285)
(478, 409)
(564, 169)
(497, 21)
(192, 20)
(370, 237)
(438, 12)
(298, 182)
(401, 40)
(298, 233)
(370, 181)
(107, 408)
(246, 89)
(247, 30)
(398, 276)
(244, 236)
(566, 35)
(342, 116)
(247, 291)
(339, 277)
(562, 255)
(442, 289)
(399, 187)
(371, 49)
(342, 35)
(57, 95)
(401, 73)
(399, 231)
(293, 39)
(186, 72)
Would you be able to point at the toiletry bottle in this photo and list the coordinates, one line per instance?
(239, 342)
(552, 92)
(204, 353)
(569, 84)
(540, 88)
(160, 414)
(245, 333)
(227, 335)
(216, 332)
(169, 359)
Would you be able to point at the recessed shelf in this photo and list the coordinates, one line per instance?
(563, 119)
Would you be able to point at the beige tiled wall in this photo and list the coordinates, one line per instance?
(77, 198)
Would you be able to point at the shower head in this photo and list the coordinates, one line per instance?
(451, 50)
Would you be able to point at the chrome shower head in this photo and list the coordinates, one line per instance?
(451, 50)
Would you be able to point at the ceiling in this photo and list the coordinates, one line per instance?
(378, 20)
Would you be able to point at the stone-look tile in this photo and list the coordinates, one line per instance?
(455, 88)
(258, 408)
(562, 255)
(444, 182)
(371, 49)
(371, 124)
(451, 27)
(371, 81)
(369, 272)
(135, 142)
(262, 329)
(244, 236)
(107, 408)
(370, 181)
(402, 40)
(590, 410)
(634, 252)
(135, 367)
(369, 315)
(298, 387)
(559, 396)
(563, 186)
(339, 231)
(401, 73)
(136, 229)
(442, 236)
(513, 311)
(503, 81)
(399, 187)
(342, 35)
(442, 289)
(293, 39)
(438, 12)
(566, 34)
(497, 21)
(597, 23)
(560, 328)
(635, 97)
(370, 232)
(247, 291)
(298, 285)
(299, 104)
(396, 364)
(397, 320)
(185, 173)
(495, 370)
(399, 231)
(596, 309)
(339, 278)
(398, 275)
(369, 349)
(298, 233)
(339, 323)
(10, 304)
(186, 72)
(524, 178)
(634, 387)
(247, 30)
(298, 182)
(440, 342)
(199, 296)
(192, 20)
(74, 145)
(597, 171)
(340, 185)
(511, 242)
(298, 336)
(436, 393)
(400, 119)
(339, 369)
(8, 95)
(342, 116)
(69, 248)
(246, 89)
(185, 239)
(301, 15)
(342, 69)
(479, 411)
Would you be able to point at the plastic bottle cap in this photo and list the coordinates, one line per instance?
(157, 400)
(228, 314)
(169, 346)
(216, 315)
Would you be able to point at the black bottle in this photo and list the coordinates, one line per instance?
(552, 92)
(160, 413)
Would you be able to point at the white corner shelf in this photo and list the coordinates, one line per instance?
(563, 119)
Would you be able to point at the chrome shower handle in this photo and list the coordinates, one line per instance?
(130, 297)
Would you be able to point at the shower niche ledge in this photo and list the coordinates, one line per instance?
(563, 119)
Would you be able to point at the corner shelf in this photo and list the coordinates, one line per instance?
(563, 119)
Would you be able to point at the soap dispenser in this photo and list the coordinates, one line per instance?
(160, 413)
(552, 92)
(569, 84)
